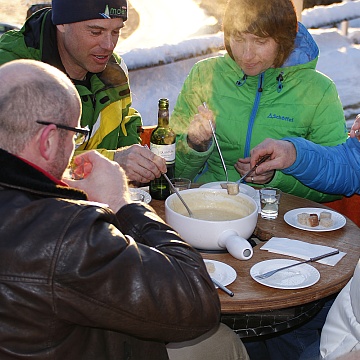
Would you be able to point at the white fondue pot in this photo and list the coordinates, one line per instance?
(213, 234)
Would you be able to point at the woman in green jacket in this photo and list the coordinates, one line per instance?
(265, 85)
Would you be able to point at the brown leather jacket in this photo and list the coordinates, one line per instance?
(73, 286)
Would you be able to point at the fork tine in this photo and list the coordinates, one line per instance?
(265, 275)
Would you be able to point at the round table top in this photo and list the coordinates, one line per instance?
(250, 296)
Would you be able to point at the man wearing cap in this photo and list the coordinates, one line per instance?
(78, 37)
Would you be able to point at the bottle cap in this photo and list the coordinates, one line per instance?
(164, 103)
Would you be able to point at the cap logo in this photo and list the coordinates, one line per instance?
(113, 12)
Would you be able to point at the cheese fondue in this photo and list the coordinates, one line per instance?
(215, 214)
(210, 207)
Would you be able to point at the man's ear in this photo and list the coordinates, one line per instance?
(60, 28)
(48, 142)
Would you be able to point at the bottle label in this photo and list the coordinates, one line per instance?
(165, 151)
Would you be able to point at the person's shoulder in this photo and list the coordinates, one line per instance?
(39, 20)
(80, 208)
(26, 42)
(212, 59)
(310, 75)
(320, 79)
(217, 61)
(36, 7)
(86, 204)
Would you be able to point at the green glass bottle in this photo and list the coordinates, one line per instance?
(162, 143)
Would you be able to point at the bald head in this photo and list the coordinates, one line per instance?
(30, 91)
(19, 72)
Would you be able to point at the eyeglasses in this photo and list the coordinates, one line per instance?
(81, 134)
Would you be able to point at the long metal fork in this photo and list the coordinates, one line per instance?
(264, 158)
(218, 147)
(272, 272)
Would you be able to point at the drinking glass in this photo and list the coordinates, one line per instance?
(75, 171)
(180, 184)
(269, 200)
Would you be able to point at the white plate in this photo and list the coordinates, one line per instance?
(244, 189)
(147, 196)
(224, 273)
(291, 218)
(297, 277)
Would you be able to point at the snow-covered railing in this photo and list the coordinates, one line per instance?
(328, 15)
(165, 54)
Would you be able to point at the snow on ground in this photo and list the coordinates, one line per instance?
(340, 60)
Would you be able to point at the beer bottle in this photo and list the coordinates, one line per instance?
(162, 143)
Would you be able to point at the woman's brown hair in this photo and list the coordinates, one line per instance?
(263, 18)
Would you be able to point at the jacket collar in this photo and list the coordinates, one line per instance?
(18, 174)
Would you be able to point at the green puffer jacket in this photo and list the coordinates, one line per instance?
(105, 97)
(292, 101)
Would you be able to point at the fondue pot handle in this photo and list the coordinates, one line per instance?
(236, 245)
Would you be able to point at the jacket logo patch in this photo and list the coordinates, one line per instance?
(279, 117)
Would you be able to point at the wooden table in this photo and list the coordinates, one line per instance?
(252, 297)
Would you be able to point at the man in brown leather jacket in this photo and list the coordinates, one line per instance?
(80, 279)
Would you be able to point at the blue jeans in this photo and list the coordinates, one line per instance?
(301, 343)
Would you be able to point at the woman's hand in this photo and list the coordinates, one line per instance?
(199, 132)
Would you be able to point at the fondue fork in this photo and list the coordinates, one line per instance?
(222, 287)
(218, 146)
(264, 158)
(178, 194)
(272, 272)
(176, 191)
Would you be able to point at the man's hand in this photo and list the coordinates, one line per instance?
(355, 129)
(199, 132)
(243, 165)
(139, 163)
(282, 155)
(104, 181)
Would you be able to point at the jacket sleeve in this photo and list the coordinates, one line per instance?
(107, 153)
(293, 185)
(127, 134)
(328, 128)
(147, 283)
(131, 123)
(334, 170)
(131, 118)
(188, 161)
(114, 123)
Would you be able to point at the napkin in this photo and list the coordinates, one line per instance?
(302, 250)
